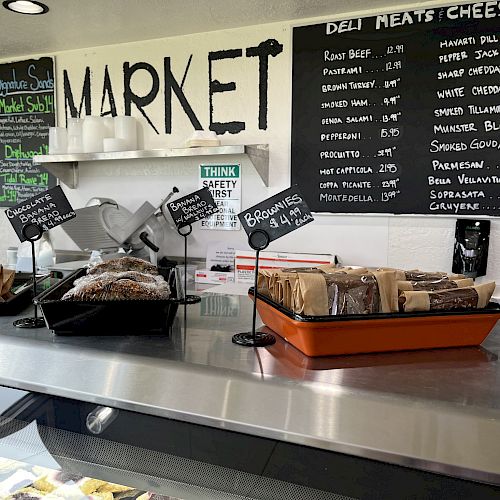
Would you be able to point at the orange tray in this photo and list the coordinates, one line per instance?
(333, 335)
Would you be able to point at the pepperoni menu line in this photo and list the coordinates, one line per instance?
(399, 113)
(27, 110)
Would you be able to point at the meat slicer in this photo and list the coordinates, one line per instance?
(106, 226)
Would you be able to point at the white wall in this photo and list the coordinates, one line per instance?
(423, 242)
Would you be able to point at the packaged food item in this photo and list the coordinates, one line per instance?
(325, 290)
(431, 286)
(474, 297)
(114, 287)
(320, 294)
(6, 280)
(124, 264)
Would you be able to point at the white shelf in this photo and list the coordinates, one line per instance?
(65, 167)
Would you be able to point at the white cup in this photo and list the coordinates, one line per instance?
(126, 128)
(12, 257)
(109, 126)
(114, 144)
(75, 144)
(75, 126)
(58, 140)
(92, 134)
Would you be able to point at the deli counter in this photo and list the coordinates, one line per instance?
(192, 415)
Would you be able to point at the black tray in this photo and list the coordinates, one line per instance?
(112, 317)
(22, 295)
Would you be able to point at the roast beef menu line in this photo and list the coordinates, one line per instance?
(399, 113)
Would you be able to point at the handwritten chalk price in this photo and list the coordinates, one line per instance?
(279, 215)
(47, 210)
(193, 207)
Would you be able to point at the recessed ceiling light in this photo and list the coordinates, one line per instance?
(26, 7)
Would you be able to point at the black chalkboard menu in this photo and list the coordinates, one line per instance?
(399, 113)
(27, 110)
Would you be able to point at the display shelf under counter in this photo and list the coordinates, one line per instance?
(189, 408)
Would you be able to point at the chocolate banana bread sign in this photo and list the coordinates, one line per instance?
(279, 215)
(46, 210)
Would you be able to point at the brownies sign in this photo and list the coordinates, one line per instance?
(279, 215)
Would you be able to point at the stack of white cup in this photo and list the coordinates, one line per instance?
(58, 140)
(125, 133)
(94, 134)
(75, 139)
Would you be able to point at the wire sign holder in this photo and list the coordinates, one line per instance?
(32, 232)
(265, 222)
(30, 219)
(184, 211)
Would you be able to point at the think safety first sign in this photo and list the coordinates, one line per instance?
(224, 182)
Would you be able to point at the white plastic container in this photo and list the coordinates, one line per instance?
(126, 128)
(92, 134)
(114, 144)
(109, 126)
(58, 140)
(75, 126)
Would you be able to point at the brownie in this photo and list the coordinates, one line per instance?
(352, 294)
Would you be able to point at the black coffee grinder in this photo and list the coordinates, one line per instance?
(470, 255)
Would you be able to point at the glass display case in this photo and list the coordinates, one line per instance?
(190, 415)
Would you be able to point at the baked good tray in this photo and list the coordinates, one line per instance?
(22, 294)
(105, 317)
(336, 335)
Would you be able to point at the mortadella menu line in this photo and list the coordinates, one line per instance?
(399, 113)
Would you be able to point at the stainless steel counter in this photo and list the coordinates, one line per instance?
(434, 410)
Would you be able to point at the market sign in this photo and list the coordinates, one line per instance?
(224, 182)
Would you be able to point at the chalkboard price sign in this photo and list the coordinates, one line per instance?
(399, 113)
(279, 215)
(46, 210)
(27, 110)
(193, 207)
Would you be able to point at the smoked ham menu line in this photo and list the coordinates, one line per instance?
(398, 113)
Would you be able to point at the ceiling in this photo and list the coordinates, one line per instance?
(72, 24)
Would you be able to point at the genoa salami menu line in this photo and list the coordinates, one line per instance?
(398, 113)
(27, 110)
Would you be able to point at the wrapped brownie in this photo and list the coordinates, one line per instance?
(353, 294)
(336, 293)
(416, 275)
(473, 297)
(432, 286)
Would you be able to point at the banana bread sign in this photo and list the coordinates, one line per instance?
(192, 207)
(46, 210)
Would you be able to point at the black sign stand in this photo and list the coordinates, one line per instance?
(258, 240)
(188, 299)
(32, 232)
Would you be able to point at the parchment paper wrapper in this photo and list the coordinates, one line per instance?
(474, 297)
(6, 280)
(432, 286)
